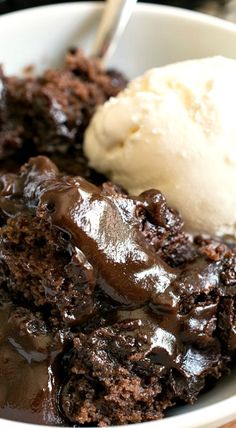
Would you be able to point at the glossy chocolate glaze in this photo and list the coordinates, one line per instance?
(105, 228)
(168, 317)
(28, 363)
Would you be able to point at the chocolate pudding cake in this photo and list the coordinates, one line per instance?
(48, 114)
(110, 312)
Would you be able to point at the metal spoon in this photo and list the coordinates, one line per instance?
(113, 22)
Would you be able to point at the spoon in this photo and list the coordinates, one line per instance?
(113, 22)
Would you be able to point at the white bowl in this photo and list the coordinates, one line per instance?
(156, 35)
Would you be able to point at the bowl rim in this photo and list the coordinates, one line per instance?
(146, 8)
(199, 418)
(224, 410)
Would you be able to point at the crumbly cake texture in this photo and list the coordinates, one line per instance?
(130, 315)
(49, 113)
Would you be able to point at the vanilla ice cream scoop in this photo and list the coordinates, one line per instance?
(174, 129)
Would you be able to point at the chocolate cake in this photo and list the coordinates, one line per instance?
(144, 313)
(49, 113)
(110, 312)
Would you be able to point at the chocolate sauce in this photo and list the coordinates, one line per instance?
(105, 228)
(149, 321)
(28, 363)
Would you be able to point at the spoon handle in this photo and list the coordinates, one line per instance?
(113, 22)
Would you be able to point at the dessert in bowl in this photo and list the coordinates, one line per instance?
(112, 311)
